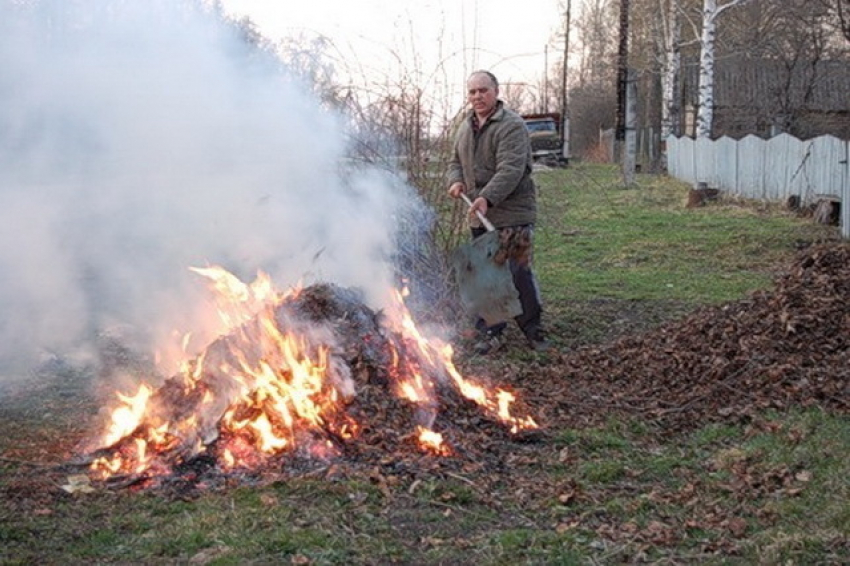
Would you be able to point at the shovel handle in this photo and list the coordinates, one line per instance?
(487, 224)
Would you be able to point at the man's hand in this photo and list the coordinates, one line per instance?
(457, 189)
(480, 204)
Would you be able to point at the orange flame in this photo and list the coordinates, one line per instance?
(125, 419)
(264, 391)
(439, 355)
(432, 441)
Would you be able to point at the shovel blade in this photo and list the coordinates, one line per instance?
(486, 287)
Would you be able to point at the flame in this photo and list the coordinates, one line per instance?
(432, 441)
(125, 419)
(262, 391)
(439, 355)
(238, 302)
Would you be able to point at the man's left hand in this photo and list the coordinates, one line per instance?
(479, 204)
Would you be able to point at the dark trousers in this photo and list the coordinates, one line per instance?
(529, 297)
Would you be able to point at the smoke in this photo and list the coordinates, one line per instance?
(141, 137)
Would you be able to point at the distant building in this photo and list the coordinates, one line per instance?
(765, 97)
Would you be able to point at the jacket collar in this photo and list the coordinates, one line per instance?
(497, 115)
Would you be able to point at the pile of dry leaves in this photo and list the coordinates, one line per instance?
(775, 349)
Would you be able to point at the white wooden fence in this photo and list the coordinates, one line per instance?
(773, 169)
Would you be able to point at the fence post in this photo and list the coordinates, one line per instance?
(845, 194)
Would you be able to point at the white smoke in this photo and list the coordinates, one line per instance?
(141, 137)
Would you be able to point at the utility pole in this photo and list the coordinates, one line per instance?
(545, 105)
(622, 80)
(565, 120)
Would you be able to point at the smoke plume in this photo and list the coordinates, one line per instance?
(141, 137)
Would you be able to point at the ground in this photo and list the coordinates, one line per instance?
(616, 468)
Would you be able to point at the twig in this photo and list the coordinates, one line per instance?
(499, 513)
(461, 478)
(123, 481)
(31, 464)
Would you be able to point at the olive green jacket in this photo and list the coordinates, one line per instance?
(496, 163)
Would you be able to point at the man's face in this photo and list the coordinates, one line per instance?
(481, 94)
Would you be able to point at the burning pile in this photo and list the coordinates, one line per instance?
(296, 374)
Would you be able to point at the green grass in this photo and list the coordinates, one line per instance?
(786, 479)
(599, 240)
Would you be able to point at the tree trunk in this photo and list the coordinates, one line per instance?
(672, 65)
(705, 117)
(843, 9)
(630, 142)
(710, 12)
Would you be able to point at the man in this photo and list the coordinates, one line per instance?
(491, 163)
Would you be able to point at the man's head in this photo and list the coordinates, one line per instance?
(482, 92)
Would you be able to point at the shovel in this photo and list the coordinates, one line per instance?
(486, 287)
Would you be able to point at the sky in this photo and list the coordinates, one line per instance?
(505, 36)
(139, 138)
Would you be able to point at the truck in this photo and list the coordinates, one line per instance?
(544, 129)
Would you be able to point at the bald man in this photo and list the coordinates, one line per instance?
(491, 164)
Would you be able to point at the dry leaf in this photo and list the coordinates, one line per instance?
(737, 526)
(78, 484)
(448, 496)
(207, 555)
(268, 500)
(803, 476)
(566, 498)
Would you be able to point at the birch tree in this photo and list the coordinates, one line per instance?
(672, 66)
(710, 13)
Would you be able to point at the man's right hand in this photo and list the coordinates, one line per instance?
(457, 189)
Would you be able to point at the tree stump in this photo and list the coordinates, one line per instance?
(702, 194)
(828, 210)
(794, 202)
